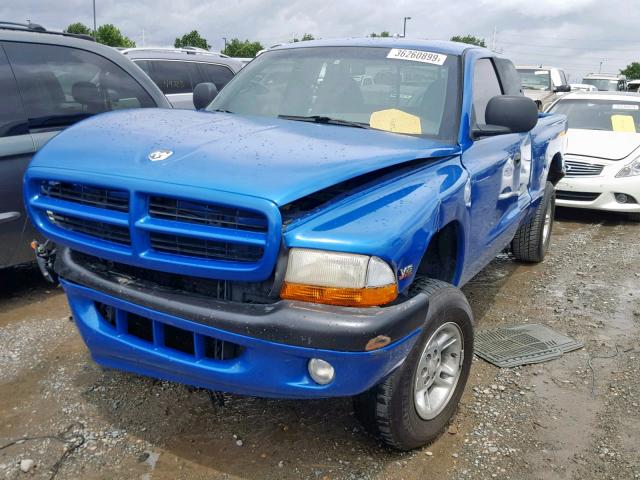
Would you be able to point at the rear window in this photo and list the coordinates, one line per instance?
(535, 79)
(608, 115)
(172, 76)
(217, 74)
(61, 85)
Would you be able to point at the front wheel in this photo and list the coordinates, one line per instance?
(531, 241)
(415, 403)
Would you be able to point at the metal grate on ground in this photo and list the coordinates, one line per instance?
(508, 347)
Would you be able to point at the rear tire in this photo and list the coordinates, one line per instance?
(414, 404)
(531, 241)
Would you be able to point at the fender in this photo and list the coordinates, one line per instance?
(415, 207)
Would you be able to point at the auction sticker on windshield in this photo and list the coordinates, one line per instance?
(417, 56)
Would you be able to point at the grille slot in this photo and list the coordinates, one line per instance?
(103, 231)
(208, 249)
(220, 350)
(179, 339)
(140, 327)
(576, 196)
(206, 214)
(582, 169)
(169, 336)
(117, 200)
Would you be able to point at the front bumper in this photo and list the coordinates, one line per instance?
(606, 185)
(275, 341)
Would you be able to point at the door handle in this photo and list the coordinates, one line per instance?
(517, 158)
(9, 216)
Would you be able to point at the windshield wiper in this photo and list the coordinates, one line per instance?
(221, 110)
(324, 119)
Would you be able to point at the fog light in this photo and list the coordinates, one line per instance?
(321, 371)
(621, 198)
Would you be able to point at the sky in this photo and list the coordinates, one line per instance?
(572, 34)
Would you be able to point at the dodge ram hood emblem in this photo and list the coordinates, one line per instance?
(159, 155)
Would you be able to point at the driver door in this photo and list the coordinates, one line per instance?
(494, 164)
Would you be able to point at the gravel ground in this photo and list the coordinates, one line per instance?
(577, 417)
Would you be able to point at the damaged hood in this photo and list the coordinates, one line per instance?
(279, 160)
(601, 144)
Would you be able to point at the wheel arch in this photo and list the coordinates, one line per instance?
(442, 259)
(556, 169)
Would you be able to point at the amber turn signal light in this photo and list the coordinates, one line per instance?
(345, 297)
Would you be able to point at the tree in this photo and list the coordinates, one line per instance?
(470, 39)
(79, 29)
(109, 34)
(305, 37)
(243, 49)
(192, 39)
(632, 72)
(381, 34)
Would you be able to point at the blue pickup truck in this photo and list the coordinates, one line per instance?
(305, 234)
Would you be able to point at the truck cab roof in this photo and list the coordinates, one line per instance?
(445, 47)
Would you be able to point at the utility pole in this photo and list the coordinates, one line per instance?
(404, 30)
(94, 19)
(493, 41)
(600, 69)
(143, 38)
(225, 43)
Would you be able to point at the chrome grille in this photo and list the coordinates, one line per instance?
(575, 168)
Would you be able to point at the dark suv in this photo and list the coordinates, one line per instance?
(48, 81)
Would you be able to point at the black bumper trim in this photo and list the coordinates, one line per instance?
(293, 323)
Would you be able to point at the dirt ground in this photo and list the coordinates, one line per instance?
(577, 417)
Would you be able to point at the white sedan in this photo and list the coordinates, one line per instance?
(602, 158)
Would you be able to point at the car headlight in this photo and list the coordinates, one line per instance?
(334, 278)
(630, 170)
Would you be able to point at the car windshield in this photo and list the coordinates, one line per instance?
(608, 115)
(605, 85)
(403, 91)
(535, 79)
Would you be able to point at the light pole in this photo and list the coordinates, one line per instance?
(94, 19)
(404, 30)
(225, 43)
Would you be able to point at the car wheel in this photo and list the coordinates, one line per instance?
(412, 406)
(531, 241)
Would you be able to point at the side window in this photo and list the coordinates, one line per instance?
(563, 77)
(61, 85)
(485, 87)
(218, 74)
(13, 120)
(509, 77)
(172, 76)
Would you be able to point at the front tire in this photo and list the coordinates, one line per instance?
(414, 404)
(531, 241)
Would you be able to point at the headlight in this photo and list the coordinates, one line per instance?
(630, 170)
(345, 279)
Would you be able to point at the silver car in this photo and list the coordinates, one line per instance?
(177, 71)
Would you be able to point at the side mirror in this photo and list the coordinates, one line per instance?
(203, 94)
(508, 114)
(562, 88)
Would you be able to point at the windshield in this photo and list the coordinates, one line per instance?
(609, 115)
(535, 79)
(601, 84)
(369, 87)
